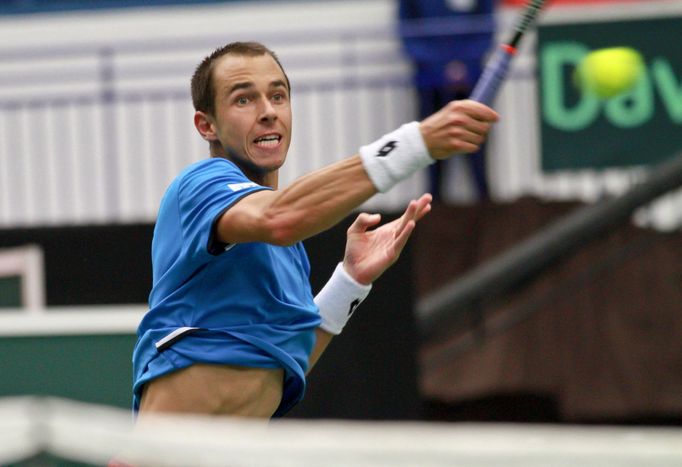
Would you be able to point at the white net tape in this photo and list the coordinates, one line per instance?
(94, 435)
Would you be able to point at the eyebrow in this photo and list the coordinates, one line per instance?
(279, 84)
(239, 86)
(248, 85)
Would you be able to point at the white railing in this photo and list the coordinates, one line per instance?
(94, 132)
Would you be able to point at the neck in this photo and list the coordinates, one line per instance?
(252, 172)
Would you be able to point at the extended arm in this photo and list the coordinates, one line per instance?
(317, 201)
(312, 204)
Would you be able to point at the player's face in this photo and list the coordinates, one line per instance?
(253, 112)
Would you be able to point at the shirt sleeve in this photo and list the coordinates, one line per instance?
(204, 195)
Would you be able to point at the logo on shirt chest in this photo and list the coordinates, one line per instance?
(241, 186)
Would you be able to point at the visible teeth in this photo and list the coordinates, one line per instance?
(268, 138)
(268, 141)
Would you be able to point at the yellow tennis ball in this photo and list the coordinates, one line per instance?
(609, 72)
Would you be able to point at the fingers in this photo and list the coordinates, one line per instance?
(403, 236)
(407, 216)
(423, 206)
(466, 125)
(459, 127)
(363, 222)
(416, 209)
(475, 110)
(424, 211)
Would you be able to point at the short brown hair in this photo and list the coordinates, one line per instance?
(203, 93)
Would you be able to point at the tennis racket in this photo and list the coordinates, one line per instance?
(497, 67)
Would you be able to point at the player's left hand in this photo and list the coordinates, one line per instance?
(370, 252)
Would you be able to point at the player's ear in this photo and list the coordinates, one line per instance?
(204, 125)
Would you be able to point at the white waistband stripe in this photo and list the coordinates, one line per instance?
(174, 335)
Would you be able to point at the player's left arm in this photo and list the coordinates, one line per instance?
(369, 253)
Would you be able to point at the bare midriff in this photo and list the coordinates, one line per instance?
(215, 390)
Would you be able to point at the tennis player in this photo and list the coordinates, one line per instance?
(233, 326)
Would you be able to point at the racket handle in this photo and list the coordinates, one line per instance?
(493, 76)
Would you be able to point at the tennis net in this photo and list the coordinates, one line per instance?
(84, 434)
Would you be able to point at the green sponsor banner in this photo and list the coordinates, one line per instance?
(641, 127)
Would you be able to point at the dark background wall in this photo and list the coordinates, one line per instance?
(91, 265)
(594, 338)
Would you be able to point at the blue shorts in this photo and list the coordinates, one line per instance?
(222, 347)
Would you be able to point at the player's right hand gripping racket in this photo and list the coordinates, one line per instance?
(497, 67)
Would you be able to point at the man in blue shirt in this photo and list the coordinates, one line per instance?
(233, 326)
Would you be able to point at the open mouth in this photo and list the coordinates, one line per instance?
(268, 141)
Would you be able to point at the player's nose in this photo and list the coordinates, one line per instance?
(268, 112)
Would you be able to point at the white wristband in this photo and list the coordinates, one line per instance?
(338, 299)
(395, 156)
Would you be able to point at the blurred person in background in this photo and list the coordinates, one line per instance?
(448, 41)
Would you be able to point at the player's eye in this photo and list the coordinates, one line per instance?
(242, 100)
(279, 97)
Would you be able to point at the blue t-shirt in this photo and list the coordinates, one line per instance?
(247, 304)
